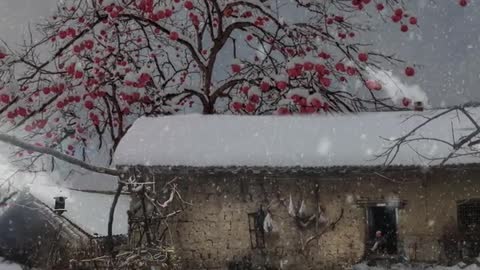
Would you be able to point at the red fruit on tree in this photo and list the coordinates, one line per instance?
(89, 104)
(339, 19)
(283, 111)
(71, 32)
(144, 79)
(237, 106)
(307, 110)
(236, 68)
(373, 85)
(363, 57)
(413, 20)
(281, 85)
(22, 112)
(41, 123)
(250, 107)
(77, 49)
(351, 71)
(294, 72)
(264, 86)
(399, 12)
(5, 98)
(326, 82)
(254, 98)
(409, 71)
(188, 5)
(228, 12)
(404, 28)
(396, 18)
(340, 67)
(316, 103)
(173, 35)
(380, 7)
(462, 3)
(62, 34)
(89, 44)
(308, 66)
(406, 102)
(78, 74)
(247, 14)
(301, 101)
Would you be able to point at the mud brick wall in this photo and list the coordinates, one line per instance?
(214, 230)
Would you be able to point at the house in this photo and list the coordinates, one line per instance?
(63, 225)
(302, 192)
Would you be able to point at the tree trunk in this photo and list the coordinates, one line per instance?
(109, 243)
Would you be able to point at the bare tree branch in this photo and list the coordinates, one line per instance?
(51, 152)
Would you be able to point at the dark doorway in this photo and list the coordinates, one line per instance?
(384, 219)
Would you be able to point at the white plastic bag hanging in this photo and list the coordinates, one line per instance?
(322, 219)
(268, 223)
(291, 208)
(301, 211)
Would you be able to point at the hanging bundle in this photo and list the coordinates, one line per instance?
(322, 218)
(268, 223)
(301, 211)
(291, 208)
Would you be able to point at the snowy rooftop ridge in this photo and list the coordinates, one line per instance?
(286, 141)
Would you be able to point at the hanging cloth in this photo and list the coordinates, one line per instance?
(268, 223)
(291, 208)
(301, 211)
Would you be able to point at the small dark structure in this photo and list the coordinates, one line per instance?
(59, 207)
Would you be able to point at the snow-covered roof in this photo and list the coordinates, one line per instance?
(286, 141)
(87, 210)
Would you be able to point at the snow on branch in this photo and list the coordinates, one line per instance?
(49, 151)
(461, 139)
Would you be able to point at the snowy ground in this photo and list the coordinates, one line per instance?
(4, 265)
(460, 266)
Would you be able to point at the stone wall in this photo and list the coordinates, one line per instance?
(214, 229)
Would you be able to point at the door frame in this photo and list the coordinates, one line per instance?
(367, 225)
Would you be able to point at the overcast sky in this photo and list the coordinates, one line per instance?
(446, 44)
